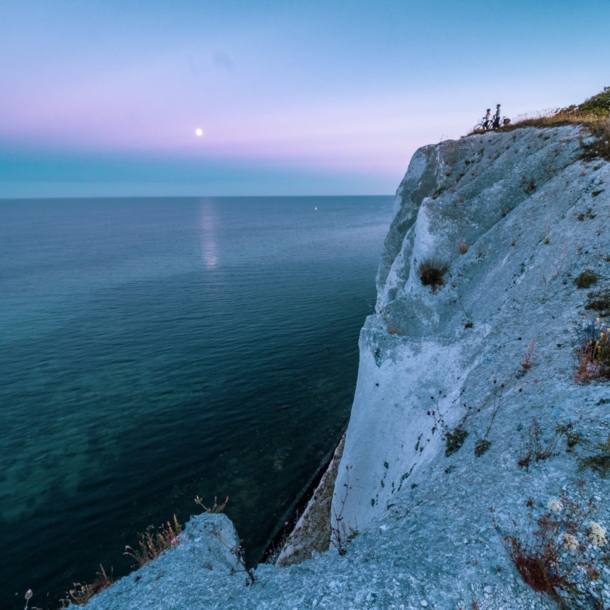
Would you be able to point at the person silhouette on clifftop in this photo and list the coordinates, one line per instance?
(487, 119)
(497, 117)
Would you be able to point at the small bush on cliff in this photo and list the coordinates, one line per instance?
(586, 278)
(598, 105)
(431, 273)
(594, 353)
(454, 439)
(599, 301)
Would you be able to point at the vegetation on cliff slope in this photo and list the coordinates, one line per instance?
(593, 114)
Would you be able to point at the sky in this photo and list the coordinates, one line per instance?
(104, 97)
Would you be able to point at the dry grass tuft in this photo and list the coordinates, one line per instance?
(535, 446)
(81, 594)
(538, 566)
(552, 117)
(431, 273)
(153, 542)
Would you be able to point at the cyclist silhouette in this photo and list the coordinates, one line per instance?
(487, 120)
(497, 117)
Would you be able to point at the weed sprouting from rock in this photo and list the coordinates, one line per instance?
(238, 551)
(82, 593)
(546, 238)
(215, 508)
(154, 541)
(537, 566)
(342, 535)
(431, 272)
(564, 556)
(536, 447)
(482, 445)
(586, 278)
(526, 362)
(454, 438)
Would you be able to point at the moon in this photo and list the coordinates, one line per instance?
(198, 132)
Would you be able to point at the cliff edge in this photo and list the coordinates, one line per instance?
(471, 447)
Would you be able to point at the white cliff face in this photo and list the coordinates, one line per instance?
(534, 217)
(505, 195)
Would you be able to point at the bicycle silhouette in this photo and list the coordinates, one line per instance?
(489, 124)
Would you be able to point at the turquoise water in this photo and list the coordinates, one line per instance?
(152, 350)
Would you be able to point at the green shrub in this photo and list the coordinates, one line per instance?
(586, 278)
(598, 105)
(481, 446)
(599, 301)
(454, 439)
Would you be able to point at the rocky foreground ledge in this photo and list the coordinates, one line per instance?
(471, 448)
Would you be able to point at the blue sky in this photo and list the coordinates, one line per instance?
(293, 98)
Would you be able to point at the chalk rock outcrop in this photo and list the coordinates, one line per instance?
(467, 424)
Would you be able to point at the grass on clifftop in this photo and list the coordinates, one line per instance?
(593, 114)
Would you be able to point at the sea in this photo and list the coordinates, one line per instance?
(155, 350)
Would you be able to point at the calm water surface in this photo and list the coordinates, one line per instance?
(152, 350)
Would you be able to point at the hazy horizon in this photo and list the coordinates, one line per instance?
(105, 98)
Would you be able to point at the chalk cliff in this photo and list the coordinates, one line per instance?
(467, 424)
